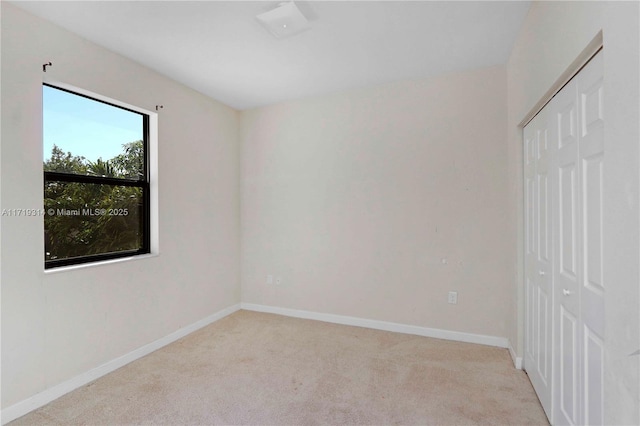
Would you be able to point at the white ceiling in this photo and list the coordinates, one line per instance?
(220, 49)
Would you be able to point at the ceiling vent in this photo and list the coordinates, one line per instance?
(284, 21)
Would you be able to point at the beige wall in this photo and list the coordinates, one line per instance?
(355, 199)
(56, 326)
(553, 35)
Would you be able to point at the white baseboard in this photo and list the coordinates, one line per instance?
(500, 342)
(517, 360)
(36, 401)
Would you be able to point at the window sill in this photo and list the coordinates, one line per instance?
(99, 263)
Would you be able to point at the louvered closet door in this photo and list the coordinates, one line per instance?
(538, 268)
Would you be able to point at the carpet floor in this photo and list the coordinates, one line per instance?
(263, 369)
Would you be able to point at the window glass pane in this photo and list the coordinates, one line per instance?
(95, 180)
(85, 218)
(88, 137)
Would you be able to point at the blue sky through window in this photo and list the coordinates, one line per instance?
(86, 127)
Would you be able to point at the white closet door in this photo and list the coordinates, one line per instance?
(591, 120)
(564, 288)
(578, 286)
(538, 269)
(567, 263)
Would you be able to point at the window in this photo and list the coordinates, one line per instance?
(96, 179)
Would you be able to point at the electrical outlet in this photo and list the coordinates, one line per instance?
(453, 297)
(269, 279)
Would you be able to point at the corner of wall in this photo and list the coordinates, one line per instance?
(517, 360)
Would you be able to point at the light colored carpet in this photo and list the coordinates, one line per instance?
(256, 368)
